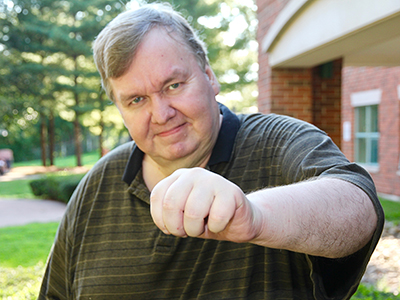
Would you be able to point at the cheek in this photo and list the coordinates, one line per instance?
(136, 126)
(206, 122)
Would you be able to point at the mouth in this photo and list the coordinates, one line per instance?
(171, 131)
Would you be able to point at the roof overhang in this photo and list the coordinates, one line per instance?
(307, 33)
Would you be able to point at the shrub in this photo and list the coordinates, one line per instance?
(67, 188)
(55, 187)
(46, 187)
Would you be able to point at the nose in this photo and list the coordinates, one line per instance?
(161, 110)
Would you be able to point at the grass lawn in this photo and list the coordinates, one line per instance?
(26, 245)
(88, 160)
(392, 210)
(17, 189)
(20, 189)
(23, 253)
(22, 283)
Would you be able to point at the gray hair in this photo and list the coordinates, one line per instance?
(116, 45)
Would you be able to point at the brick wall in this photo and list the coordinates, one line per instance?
(267, 12)
(305, 94)
(358, 79)
(298, 92)
(291, 93)
(327, 93)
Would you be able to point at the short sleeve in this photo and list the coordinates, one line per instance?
(311, 153)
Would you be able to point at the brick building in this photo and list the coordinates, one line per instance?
(336, 64)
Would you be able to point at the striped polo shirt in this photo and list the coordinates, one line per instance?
(108, 247)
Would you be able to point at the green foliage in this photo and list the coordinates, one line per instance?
(48, 45)
(46, 187)
(21, 282)
(58, 188)
(367, 292)
(26, 245)
(392, 210)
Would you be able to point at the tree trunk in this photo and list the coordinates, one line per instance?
(51, 131)
(77, 128)
(101, 124)
(43, 138)
(78, 139)
(102, 150)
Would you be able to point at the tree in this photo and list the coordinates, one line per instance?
(75, 31)
(27, 44)
(48, 44)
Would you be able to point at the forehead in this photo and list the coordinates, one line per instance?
(161, 50)
(159, 59)
(165, 47)
(159, 41)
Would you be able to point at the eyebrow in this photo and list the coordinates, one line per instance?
(176, 73)
(125, 98)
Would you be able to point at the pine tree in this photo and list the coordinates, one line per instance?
(50, 46)
(47, 68)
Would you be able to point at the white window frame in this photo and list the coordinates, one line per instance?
(366, 98)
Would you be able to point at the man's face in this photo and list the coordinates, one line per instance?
(168, 102)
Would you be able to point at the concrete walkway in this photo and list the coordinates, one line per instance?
(15, 212)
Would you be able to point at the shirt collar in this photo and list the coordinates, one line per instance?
(221, 152)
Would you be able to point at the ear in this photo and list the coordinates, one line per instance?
(213, 80)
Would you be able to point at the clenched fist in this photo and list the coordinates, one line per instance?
(198, 203)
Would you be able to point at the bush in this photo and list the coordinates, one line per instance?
(45, 187)
(58, 188)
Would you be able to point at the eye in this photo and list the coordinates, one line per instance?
(137, 99)
(174, 86)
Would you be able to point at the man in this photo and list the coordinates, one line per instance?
(211, 205)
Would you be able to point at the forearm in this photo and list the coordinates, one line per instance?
(324, 217)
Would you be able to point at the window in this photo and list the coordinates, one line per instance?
(366, 140)
(366, 135)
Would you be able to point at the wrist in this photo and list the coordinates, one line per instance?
(269, 227)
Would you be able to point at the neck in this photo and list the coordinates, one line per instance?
(154, 172)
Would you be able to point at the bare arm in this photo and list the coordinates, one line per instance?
(322, 217)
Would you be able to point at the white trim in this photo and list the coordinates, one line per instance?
(286, 14)
(307, 33)
(365, 98)
(372, 169)
(394, 198)
(398, 91)
(346, 131)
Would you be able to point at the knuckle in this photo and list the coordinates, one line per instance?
(168, 203)
(217, 218)
(193, 215)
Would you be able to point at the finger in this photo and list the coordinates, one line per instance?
(173, 205)
(156, 202)
(221, 212)
(197, 209)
